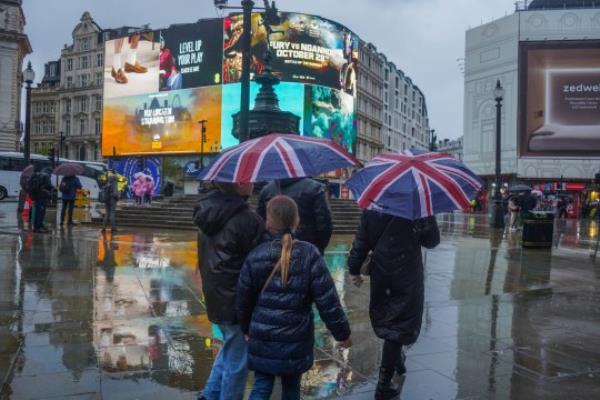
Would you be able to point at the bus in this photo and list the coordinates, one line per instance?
(13, 163)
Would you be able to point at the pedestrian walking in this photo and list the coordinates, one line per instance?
(228, 231)
(139, 189)
(148, 189)
(514, 209)
(68, 187)
(40, 190)
(316, 224)
(110, 194)
(279, 282)
(397, 287)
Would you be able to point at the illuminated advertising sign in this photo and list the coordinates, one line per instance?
(158, 85)
(305, 48)
(560, 99)
(162, 122)
(191, 55)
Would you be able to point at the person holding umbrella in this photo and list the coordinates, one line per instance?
(68, 187)
(40, 190)
(401, 193)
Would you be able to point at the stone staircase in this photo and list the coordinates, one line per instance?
(176, 213)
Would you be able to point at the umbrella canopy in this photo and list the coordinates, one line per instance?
(25, 176)
(519, 188)
(414, 186)
(276, 156)
(68, 169)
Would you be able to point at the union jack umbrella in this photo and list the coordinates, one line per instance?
(276, 156)
(414, 186)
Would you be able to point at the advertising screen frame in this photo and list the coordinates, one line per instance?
(343, 40)
(523, 134)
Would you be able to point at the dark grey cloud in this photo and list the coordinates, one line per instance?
(424, 38)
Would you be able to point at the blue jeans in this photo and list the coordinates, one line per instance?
(40, 213)
(227, 379)
(263, 387)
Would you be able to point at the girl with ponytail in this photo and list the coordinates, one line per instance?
(278, 284)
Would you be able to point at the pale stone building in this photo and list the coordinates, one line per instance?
(14, 46)
(68, 101)
(370, 102)
(405, 119)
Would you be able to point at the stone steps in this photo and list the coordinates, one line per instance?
(176, 213)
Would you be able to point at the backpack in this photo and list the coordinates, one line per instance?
(107, 193)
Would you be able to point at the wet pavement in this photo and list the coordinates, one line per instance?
(87, 316)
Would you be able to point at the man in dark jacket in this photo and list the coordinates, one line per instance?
(397, 287)
(316, 225)
(111, 196)
(228, 231)
(40, 190)
(68, 187)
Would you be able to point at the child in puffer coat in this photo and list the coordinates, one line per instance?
(279, 282)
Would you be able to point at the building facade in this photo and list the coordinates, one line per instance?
(405, 119)
(370, 102)
(452, 147)
(14, 46)
(67, 104)
(494, 52)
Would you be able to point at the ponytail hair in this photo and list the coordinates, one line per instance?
(282, 216)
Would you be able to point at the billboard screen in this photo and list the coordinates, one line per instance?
(162, 122)
(560, 99)
(191, 55)
(158, 85)
(305, 48)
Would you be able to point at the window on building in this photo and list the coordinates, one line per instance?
(68, 127)
(387, 74)
(83, 62)
(69, 81)
(83, 104)
(84, 44)
(97, 126)
(69, 64)
(413, 131)
(99, 60)
(82, 127)
(83, 80)
(81, 155)
(98, 78)
(98, 103)
(95, 151)
(67, 105)
(36, 147)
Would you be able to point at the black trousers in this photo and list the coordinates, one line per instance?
(392, 355)
(67, 204)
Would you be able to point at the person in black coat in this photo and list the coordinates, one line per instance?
(228, 231)
(278, 284)
(397, 286)
(316, 224)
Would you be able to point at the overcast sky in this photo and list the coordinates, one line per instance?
(422, 37)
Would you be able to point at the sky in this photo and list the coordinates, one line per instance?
(424, 38)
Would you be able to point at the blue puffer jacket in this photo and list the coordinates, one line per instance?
(279, 320)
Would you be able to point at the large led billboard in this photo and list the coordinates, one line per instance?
(152, 79)
(304, 48)
(560, 99)
(161, 122)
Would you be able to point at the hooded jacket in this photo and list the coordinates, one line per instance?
(228, 231)
(316, 224)
(279, 319)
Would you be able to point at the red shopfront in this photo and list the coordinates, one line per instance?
(570, 192)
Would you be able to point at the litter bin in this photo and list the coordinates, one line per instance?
(538, 229)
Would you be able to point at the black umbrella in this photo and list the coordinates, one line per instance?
(519, 188)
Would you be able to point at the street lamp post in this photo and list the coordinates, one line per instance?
(61, 144)
(202, 141)
(270, 17)
(432, 140)
(28, 78)
(497, 217)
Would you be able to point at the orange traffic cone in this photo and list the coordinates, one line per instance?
(26, 208)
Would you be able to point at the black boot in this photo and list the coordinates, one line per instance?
(385, 389)
(401, 367)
